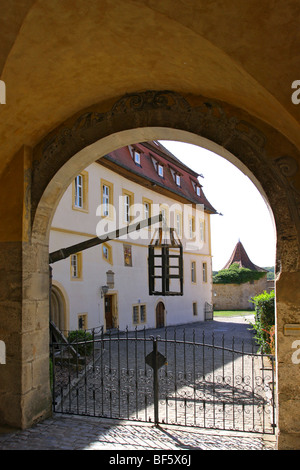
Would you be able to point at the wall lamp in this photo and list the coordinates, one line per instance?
(104, 290)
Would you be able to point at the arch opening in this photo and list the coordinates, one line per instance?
(87, 156)
(263, 155)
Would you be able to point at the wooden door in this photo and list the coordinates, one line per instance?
(108, 311)
(160, 315)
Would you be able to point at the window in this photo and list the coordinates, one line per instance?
(82, 321)
(179, 224)
(176, 176)
(127, 208)
(139, 314)
(137, 157)
(80, 192)
(147, 209)
(191, 227)
(198, 191)
(195, 309)
(143, 313)
(164, 210)
(106, 199)
(204, 269)
(76, 266)
(160, 170)
(107, 253)
(135, 314)
(127, 251)
(128, 199)
(193, 272)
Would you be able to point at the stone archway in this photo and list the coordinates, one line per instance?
(266, 156)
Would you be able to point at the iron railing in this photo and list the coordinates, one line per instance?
(175, 378)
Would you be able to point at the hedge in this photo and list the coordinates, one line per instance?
(265, 321)
(237, 275)
(85, 346)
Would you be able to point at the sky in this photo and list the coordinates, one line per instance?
(246, 216)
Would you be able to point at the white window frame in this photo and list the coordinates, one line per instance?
(127, 208)
(137, 315)
(177, 180)
(147, 209)
(78, 202)
(74, 265)
(137, 157)
(160, 170)
(105, 199)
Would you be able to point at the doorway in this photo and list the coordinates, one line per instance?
(57, 308)
(108, 311)
(160, 315)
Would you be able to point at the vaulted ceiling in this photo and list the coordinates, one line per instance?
(58, 57)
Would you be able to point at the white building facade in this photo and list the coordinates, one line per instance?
(108, 285)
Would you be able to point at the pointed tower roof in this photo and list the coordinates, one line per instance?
(239, 255)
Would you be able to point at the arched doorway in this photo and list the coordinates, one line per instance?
(251, 146)
(160, 315)
(58, 308)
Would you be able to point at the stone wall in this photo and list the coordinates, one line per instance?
(237, 296)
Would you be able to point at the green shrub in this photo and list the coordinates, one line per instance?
(237, 275)
(264, 321)
(85, 346)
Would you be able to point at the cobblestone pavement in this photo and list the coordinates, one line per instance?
(69, 432)
(62, 432)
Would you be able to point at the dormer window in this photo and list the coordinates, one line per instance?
(137, 157)
(160, 170)
(177, 179)
(197, 187)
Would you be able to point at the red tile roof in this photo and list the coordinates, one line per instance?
(146, 173)
(240, 256)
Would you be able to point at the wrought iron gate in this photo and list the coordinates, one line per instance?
(171, 379)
